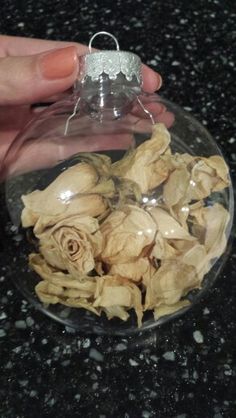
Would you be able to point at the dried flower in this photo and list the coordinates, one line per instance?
(72, 244)
(127, 232)
(144, 165)
(92, 219)
(71, 193)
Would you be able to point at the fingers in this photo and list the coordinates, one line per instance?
(30, 79)
(152, 81)
(18, 46)
(42, 153)
(11, 46)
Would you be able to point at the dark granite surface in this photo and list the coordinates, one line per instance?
(185, 368)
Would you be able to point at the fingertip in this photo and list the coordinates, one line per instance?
(58, 63)
(152, 80)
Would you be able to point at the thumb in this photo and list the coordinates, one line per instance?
(32, 78)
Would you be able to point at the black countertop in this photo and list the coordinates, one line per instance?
(185, 368)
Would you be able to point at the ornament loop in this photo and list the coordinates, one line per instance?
(103, 33)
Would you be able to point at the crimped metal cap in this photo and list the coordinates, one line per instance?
(112, 63)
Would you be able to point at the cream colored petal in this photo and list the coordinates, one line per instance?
(163, 249)
(72, 244)
(126, 233)
(29, 217)
(90, 205)
(84, 223)
(195, 255)
(202, 181)
(51, 254)
(134, 271)
(47, 296)
(116, 312)
(176, 186)
(216, 221)
(141, 165)
(118, 291)
(182, 246)
(163, 310)
(114, 295)
(222, 171)
(80, 303)
(210, 225)
(180, 212)
(208, 175)
(43, 269)
(64, 195)
(168, 226)
(85, 287)
(171, 281)
(77, 179)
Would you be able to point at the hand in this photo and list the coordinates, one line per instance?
(33, 70)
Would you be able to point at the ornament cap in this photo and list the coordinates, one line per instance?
(110, 62)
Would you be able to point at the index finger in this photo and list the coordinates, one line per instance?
(20, 46)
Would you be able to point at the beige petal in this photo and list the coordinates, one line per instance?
(116, 312)
(118, 291)
(64, 197)
(72, 244)
(134, 271)
(86, 285)
(49, 294)
(91, 205)
(143, 165)
(77, 179)
(171, 281)
(114, 295)
(222, 171)
(210, 225)
(163, 310)
(44, 270)
(168, 226)
(163, 249)
(52, 254)
(126, 233)
(175, 188)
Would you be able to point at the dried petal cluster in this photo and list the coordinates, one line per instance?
(137, 233)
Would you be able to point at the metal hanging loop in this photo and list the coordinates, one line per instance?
(145, 110)
(103, 33)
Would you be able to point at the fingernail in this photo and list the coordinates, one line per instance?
(159, 81)
(59, 63)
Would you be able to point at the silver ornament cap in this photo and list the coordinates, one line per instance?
(112, 63)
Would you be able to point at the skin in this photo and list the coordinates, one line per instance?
(22, 82)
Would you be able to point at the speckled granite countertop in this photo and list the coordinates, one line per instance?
(187, 368)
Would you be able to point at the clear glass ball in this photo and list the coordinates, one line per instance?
(111, 241)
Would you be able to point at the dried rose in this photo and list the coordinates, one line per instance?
(72, 244)
(144, 165)
(69, 194)
(126, 233)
